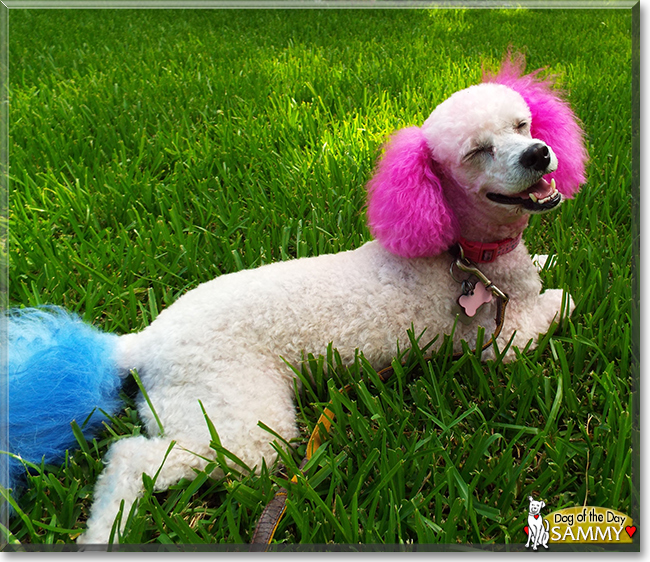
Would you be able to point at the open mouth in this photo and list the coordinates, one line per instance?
(539, 197)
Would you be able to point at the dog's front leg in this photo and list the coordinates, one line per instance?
(532, 318)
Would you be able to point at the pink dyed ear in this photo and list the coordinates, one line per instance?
(553, 121)
(407, 211)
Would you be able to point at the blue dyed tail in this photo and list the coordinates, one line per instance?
(59, 370)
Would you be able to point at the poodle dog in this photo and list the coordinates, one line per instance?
(485, 160)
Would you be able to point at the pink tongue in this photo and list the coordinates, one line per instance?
(541, 189)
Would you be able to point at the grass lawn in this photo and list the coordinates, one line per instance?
(153, 150)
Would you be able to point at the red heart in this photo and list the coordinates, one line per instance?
(526, 529)
(630, 530)
(536, 516)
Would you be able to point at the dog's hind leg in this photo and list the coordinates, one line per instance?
(160, 458)
(234, 397)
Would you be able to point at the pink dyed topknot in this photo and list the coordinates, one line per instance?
(553, 121)
(407, 211)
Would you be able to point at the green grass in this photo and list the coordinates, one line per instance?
(153, 150)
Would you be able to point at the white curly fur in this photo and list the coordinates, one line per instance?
(225, 342)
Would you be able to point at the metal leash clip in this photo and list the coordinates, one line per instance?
(467, 266)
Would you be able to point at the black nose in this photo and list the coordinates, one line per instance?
(536, 157)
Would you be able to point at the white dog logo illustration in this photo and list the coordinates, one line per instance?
(537, 532)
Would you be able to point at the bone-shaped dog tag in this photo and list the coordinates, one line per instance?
(466, 287)
(474, 299)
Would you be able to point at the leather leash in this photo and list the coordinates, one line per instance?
(274, 510)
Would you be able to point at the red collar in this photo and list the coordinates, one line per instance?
(487, 252)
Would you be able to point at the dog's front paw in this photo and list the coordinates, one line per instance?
(541, 261)
(556, 304)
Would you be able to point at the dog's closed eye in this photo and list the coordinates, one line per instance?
(480, 150)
